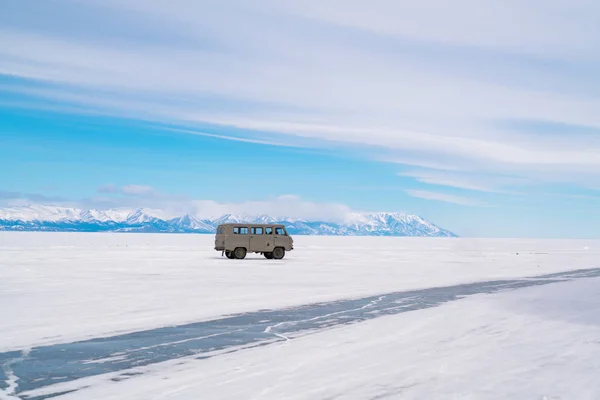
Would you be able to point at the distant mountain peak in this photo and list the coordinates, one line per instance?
(55, 219)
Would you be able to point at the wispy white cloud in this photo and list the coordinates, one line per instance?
(469, 180)
(136, 196)
(238, 139)
(132, 190)
(281, 206)
(109, 189)
(540, 27)
(137, 189)
(15, 199)
(416, 83)
(136, 192)
(444, 197)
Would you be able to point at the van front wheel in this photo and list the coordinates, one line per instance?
(239, 253)
(278, 253)
(268, 255)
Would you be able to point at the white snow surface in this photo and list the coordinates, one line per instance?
(538, 343)
(60, 287)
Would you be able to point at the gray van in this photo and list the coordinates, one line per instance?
(270, 240)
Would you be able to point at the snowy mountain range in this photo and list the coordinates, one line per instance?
(64, 219)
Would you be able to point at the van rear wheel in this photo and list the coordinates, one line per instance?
(239, 253)
(278, 253)
(229, 254)
(268, 255)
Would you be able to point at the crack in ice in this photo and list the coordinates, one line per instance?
(296, 322)
(12, 380)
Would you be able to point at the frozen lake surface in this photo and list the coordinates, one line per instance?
(53, 364)
(78, 357)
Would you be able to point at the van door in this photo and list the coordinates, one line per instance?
(257, 239)
(281, 238)
(269, 245)
(220, 238)
(239, 238)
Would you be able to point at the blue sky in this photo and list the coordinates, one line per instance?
(482, 118)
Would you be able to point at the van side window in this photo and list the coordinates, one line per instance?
(256, 231)
(280, 231)
(240, 230)
(268, 230)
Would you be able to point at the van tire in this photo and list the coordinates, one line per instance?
(268, 255)
(239, 253)
(229, 254)
(278, 253)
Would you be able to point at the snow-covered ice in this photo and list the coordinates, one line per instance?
(527, 343)
(536, 343)
(68, 286)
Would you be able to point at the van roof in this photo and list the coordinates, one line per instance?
(249, 224)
